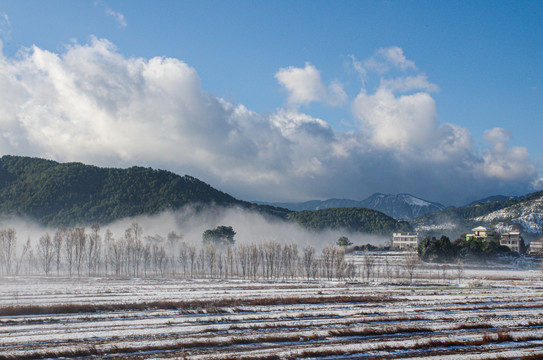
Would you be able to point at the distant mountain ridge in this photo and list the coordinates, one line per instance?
(75, 194)
(401, 206)
(68, 194)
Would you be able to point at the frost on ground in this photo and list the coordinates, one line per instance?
(484, 314)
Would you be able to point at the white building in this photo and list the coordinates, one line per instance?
(511, 240)
(405, 241)
(536, 247)
(481, 232)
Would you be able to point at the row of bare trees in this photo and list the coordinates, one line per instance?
(81, 251)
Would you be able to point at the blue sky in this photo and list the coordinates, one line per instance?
(297, 99)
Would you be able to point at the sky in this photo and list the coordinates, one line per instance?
(283, 100)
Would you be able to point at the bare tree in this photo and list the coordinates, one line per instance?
(211, 257)
(459, 270)
(108, 243)
(229, 262)
(69, 249)
(26, 248)
(328, 257)
(80, 245)
(339, 263)
(147, 257)
(368, 263)
(254, 260)
(93, 248)
(192, 258)
(309, 258)
(116, 255)
(387, 268)
(444, 268)
(58, 240)
(172, 245)
(270, 251)
(8, 245)
(162, 261)
(183, 258)
(46, 253)
(350, 270)
(242, 254)
(289, 261)
(411, 260)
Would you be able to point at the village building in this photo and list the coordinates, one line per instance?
(481, 232)
(405, 241)
(536, 247)
(511, 240)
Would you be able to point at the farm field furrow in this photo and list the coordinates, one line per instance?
(153, 319)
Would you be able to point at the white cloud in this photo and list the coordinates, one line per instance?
(386, 58)
(92, 104)
(5, 27)
(405, 123)
(504, 162)
(409, 83)
(305, 86)
(119, 17)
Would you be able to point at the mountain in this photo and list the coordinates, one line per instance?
(55, 194)
(400, 206)
(502, 213)
(354, 219)
(492, 199)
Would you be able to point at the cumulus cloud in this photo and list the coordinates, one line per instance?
(386, 58)
(503, 162)
(92, 104)
(305, 86)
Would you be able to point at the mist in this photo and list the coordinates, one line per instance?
(250, 227)
(190, 222)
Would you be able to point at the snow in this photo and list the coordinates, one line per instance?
(438, 316)
(411, 200)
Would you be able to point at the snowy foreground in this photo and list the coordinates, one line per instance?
(492, 314)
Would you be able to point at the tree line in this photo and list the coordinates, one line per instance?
(476, 249)
(81, 251)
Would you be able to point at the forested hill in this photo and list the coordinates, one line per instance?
(355, 219)
(75, 194)
(56, 194)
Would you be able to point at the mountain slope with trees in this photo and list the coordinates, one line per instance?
(53, 193)
(355, 219)
(520, 213)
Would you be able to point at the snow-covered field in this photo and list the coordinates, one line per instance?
(481, 314)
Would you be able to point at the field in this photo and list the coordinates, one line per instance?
(485, 314)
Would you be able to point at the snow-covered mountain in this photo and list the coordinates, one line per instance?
(528, 214)
(502, 213)
(400, 206)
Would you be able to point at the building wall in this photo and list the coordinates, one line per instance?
(405, 241)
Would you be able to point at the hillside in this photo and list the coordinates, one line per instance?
(523, 213)
(69, 194)
(53, 193)
(355, 219)
(399, 206)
